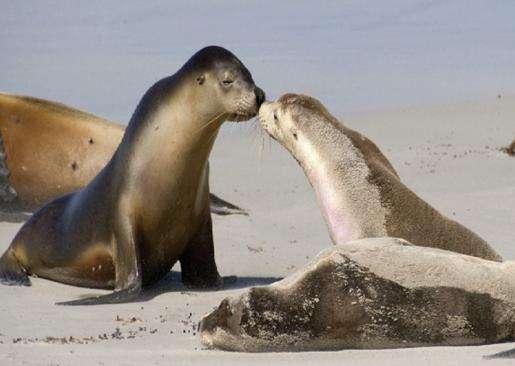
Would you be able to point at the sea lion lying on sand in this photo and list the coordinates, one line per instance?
(372, 293)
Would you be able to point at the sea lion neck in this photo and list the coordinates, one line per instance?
(170, 134)
(338, 172)
(170, 104)
(169, 115)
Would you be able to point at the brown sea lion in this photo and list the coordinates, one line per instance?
(48, 149)
(149, 206)
(358, 190)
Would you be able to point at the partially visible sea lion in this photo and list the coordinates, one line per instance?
(372, 293)
(358, 190)
(149, 206)
(48, 149)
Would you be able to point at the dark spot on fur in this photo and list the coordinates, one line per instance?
(90, 141)
(74, 165)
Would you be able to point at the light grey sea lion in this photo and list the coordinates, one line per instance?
(358, 190)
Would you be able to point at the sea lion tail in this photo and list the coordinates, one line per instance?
(11, 271)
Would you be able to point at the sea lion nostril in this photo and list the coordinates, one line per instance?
(260, 96)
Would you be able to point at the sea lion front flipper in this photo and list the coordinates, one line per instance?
(127, 264)
(116, 297)
(222, 207)
(198, 267)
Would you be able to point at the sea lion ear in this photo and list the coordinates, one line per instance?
(201, 79)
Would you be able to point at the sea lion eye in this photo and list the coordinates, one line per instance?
(295, 135)
(200, 79)
(227, 82)
(275, 117)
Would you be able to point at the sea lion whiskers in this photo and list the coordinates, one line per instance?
(262, 137)
(258, 137)
(210, 122)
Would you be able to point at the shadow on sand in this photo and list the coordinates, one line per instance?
(504, 354)
(172, 283)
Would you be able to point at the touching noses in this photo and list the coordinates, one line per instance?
(260, 96)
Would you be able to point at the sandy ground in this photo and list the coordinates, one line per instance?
(448, 154)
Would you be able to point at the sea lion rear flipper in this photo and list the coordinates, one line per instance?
(222, 207)
(11, 272)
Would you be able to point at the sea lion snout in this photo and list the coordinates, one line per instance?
(221, 324)
(270, 117)
(247, 102)
(260, 96)
(218, 318)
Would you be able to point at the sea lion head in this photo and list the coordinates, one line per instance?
(297, 122)
(217, 71)
(243, 323)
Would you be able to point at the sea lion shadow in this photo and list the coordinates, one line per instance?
(510, 353)
(172, 283)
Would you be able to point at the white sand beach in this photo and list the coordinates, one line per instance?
(431, 83)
